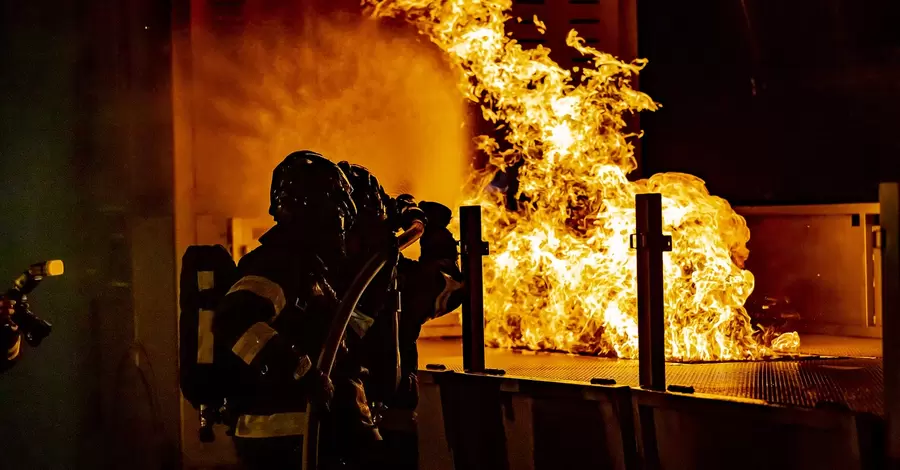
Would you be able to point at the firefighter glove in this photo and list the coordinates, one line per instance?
(408, 211)
(323, 391)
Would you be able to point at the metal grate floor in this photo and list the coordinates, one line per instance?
(856, 383)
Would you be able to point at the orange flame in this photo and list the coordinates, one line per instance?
(561, 275)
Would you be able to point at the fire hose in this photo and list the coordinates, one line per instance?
(362, 280)
(342, 317)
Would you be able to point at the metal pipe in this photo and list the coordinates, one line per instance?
(889, 198)
(650, 244)
(472, 248)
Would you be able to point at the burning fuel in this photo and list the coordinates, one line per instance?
(561, 275)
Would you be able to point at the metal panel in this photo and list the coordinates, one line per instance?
(562, 425)
(596, 421)
(813, 209)
(434, 450)
(822, 259)
(545, 425)
(889, 196)
(518, 426)
(692, 433)
(473, 420)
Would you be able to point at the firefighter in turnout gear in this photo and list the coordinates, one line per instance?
(17, 322)
(274, 319)
(407, 296)
(374, 319)
(431, 287)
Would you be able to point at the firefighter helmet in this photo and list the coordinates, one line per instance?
(369, 196)
(308, 188)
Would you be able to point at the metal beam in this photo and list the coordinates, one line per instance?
(650, 244)
(889, 197)
(472, 248)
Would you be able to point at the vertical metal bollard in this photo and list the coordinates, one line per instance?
(650, 244)
(889, 199)
(472, 249)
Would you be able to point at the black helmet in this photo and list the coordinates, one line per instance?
(368, 194)
(308, 188)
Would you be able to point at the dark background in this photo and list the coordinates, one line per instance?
(818, 126)
(44, 399)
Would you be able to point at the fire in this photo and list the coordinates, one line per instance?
(561, 275)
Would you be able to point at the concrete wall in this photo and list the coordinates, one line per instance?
(42, 400)
(87, 177)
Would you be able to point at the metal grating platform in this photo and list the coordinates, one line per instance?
(856, 383)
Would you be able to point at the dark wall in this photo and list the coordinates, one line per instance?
(44, 399)
(773, 101)
(86, 174)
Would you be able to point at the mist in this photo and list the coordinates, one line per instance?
(341, 85)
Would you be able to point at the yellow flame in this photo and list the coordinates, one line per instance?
(562, 275)
(788, 342)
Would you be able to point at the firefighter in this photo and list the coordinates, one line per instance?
(378, 221)
(427, 288)
(10, 337)
(431, 287)
(274, 319)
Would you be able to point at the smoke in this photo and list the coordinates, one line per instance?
(343, 86)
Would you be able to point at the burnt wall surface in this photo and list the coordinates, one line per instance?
(774, 102)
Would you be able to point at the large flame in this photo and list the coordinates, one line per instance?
(561, 275)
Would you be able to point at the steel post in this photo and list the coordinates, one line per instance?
(650, 243)
(472, 249)
(889, 197)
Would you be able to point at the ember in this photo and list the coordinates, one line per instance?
(561, 275)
